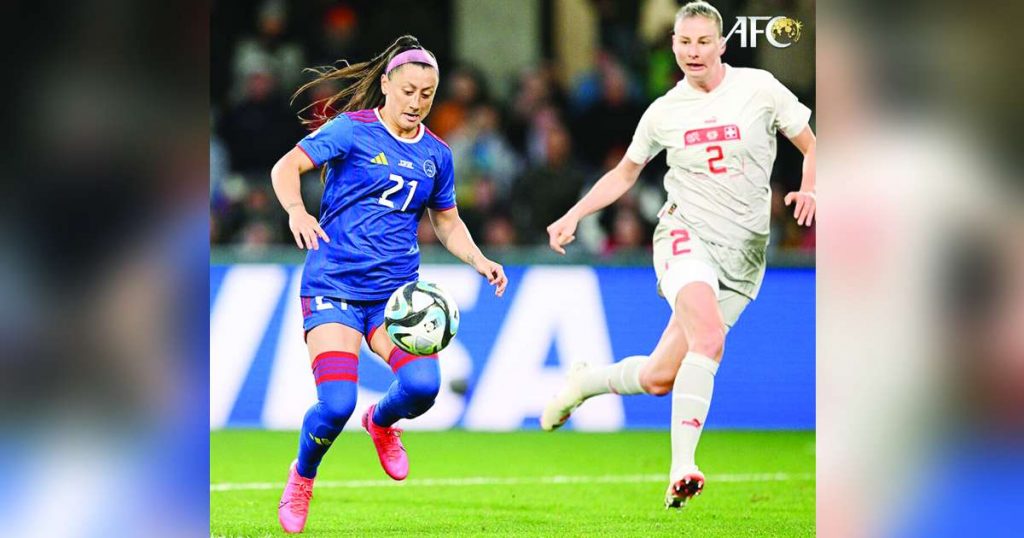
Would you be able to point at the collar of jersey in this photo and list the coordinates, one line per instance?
(412, 140)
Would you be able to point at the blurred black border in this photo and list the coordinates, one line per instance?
(105, 237)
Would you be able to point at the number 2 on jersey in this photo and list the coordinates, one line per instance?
(711, 162)
(399, 183)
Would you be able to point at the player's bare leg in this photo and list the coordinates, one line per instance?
(658, 373)
(640, 374)
(701, 320)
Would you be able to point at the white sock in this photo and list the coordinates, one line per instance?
(691, 399)
(622, 377)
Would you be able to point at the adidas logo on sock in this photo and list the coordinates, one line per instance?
(379, 159)
(322, 441)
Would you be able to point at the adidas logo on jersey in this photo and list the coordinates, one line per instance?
(380, 159)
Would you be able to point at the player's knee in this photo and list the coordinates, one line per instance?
(337, 409)
(658, 388)
(423, 390)
(656, 383)
(708, 341)
(423, 385)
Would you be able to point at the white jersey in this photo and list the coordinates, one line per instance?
(721, 147)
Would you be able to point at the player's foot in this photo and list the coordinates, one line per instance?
(294, 505)
(682, 490)
(388, 442)
(558, 410)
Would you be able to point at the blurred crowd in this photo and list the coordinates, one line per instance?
(520, 162)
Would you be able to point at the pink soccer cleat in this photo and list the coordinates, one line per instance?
(294, 505)
(389, 446)
(684, 489)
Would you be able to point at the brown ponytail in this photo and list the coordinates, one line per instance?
(361, 83)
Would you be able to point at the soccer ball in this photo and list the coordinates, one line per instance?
(421, 318)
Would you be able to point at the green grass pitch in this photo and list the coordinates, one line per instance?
(520, 484)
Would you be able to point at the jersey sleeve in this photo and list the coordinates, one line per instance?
(790, 114)
(332, 140)
(644, 145)
(443, 197)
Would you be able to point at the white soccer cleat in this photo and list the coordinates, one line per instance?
(684, 489)
(557, 411)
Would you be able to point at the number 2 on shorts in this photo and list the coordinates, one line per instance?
(681, 236)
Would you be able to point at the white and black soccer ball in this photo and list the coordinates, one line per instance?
(421, 318)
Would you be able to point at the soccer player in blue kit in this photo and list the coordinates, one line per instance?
(382, 169)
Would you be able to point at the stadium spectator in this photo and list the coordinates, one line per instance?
(479, 149)
(269, 49)
(628, 232)
(260, 127)
(607, 125)
(338, 37)
(617, 29)
(544, 191)
(545, 120)
(258, 208)
(256, 237)
(479, 200)
(500, 230)
(537, 93)
(466, 91)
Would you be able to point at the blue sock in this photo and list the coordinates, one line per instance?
(413, 393)
(335, 373)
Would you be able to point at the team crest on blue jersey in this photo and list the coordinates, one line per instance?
(429, 168)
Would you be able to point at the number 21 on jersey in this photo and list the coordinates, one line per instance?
(399, 183)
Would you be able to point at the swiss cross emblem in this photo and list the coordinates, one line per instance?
(731, 132)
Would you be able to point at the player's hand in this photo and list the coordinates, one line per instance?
(805, 206)
(494, 273)
(562, 232)
(306, 229)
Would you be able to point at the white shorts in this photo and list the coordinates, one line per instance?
(681, 258)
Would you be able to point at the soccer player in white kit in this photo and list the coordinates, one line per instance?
(718, 126)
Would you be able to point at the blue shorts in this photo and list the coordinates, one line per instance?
(363, 316)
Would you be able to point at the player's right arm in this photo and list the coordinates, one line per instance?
(609, 188)
(285, 178)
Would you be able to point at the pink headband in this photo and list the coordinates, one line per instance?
(412, 55)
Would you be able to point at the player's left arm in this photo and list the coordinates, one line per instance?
(453, 234)
(804, 198)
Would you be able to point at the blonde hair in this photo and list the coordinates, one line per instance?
(700, 8)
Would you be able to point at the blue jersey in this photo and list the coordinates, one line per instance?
(377, 187)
